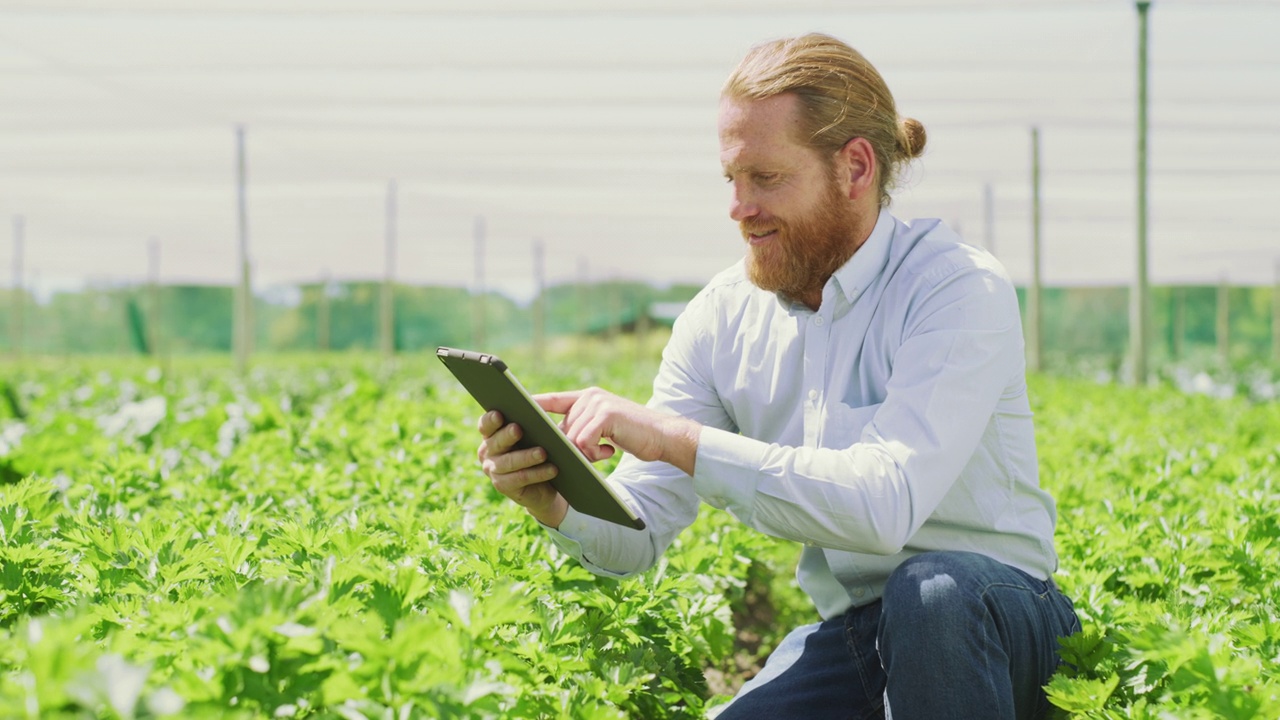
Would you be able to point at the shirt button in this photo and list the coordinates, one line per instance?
(817, 320)
(859, 592)
(813, 395)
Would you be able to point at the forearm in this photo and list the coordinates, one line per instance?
(680, 445)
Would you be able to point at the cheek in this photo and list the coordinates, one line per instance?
(782, 207)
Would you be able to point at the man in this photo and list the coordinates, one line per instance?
(856, 384)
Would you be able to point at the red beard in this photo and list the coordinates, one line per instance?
(806, 251)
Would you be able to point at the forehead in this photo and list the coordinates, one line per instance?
(753, 131)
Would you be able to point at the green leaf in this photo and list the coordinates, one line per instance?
(1081, 695)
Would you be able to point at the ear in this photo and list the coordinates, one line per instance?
(856, 168)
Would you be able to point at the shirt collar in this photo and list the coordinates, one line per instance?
(861, 270)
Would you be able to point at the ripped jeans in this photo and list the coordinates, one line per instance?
(956, 635)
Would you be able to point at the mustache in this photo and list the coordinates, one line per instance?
(757, 226)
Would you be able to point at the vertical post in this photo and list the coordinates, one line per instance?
(539, 304)
(642, 327)
(153, 291)
(387, 319)
(989, 218)
(1139, 298)
(1035, 313)
(322, 315)
(1223, 333)
(36, 337)
(613, 330)
(242, 322)
(19, 312)
(1275, 316)
(583, 329)
(478, 307)
(1179, 320)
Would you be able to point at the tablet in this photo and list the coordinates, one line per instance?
(492, 384)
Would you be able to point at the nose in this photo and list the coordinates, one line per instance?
(741, 205)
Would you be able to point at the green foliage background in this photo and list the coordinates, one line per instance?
(197, 319)
(315, 540)
(1083, 325)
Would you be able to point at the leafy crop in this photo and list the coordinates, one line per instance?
(316, 540)
(1170, 543)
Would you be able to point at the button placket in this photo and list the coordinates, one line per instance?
(815, 354)
(819, 346)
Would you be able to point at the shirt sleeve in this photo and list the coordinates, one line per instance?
(661, 494)
(962, 347)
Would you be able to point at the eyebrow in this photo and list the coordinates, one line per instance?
(749, 168)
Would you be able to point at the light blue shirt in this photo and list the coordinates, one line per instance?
(891, 422)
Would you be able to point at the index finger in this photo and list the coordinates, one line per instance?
(558, 402)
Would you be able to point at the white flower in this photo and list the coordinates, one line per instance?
(135, 419)
(10, 435)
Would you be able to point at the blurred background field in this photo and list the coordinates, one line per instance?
(1086, 329)
(1217, 341)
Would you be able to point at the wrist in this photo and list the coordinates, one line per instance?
(553, 514)
(680, 445)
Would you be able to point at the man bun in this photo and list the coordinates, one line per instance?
(912, 137)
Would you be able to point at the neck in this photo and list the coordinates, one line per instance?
(811, 297)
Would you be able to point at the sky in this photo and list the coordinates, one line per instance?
(588, 126)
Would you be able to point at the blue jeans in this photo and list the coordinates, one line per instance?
(956, 635)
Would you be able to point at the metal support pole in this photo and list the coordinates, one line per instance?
(387, 308)
(242, 322)
(153, 290)
(1035, 312)
(583, 293)
(1223, 325)
(323, 320)
(613, 306)
(1275, 316)
(478, 318)
(1139, 299)
(19, 311)
(539, 304)
(989, 218)
(1179, 321)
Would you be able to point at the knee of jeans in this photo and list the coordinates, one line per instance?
(933, 585)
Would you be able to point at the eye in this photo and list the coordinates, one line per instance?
(767, 178)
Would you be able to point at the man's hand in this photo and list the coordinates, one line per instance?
(521, 475)
(594, 415)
